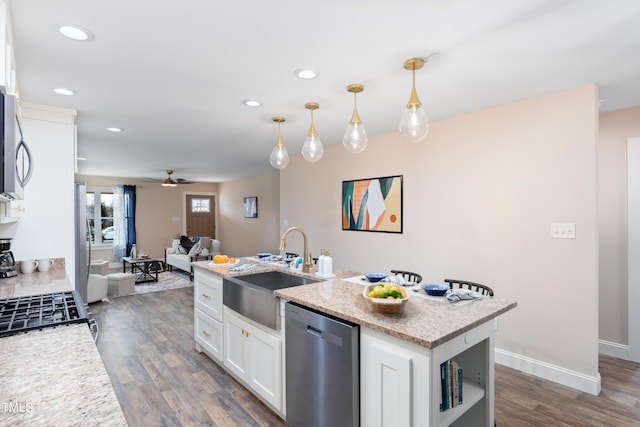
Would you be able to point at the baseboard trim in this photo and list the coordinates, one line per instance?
(613, 349)
(588, 384)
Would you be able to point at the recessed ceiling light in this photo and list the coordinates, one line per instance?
(114, 129)
(251, 102)
(305, 73)
(76, 32)
(63, 91)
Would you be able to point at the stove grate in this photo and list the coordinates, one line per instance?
(25, 313)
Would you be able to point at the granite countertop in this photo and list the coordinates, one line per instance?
(425, 322)
(56, 377)
(54, 280)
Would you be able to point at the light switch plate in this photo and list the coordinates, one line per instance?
(564, 230)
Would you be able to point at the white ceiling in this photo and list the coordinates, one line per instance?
(173, 73)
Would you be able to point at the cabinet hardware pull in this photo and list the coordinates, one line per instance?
(206, 333)
(207, 296)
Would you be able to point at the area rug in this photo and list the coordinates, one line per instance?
(166, 280)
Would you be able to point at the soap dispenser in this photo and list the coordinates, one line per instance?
(325, 264)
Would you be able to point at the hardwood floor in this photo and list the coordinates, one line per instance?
(146, 342)
(526, 400)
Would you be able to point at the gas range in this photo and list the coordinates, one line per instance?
(26, 313)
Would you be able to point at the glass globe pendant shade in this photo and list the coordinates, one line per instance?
(279, 156)
(414, 124)
(312, 148)
(355, 138)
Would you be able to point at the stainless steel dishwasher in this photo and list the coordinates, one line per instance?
(323, 369)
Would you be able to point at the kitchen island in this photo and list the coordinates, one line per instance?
(400, 355)
(53, 376)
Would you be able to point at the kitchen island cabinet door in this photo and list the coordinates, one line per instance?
(255, 356)
(394, 381)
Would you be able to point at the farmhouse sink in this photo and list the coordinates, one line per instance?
(252, 295)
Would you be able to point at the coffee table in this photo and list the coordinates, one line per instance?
(141, 267)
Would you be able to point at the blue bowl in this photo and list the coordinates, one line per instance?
(375, 277)
(435, 290)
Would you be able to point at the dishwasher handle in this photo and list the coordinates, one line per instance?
(314, 331)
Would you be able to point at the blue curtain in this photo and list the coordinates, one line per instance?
(130, 215)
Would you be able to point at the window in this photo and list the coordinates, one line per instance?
(100, 220)
(200, 205)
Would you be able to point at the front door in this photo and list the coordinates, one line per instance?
(200, 215)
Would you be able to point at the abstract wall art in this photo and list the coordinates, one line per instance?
(373, 204)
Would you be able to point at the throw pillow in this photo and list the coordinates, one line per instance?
(174, 245)
(204, 251)
(205, 242)
(195, 249)
(181, 250)
(186, 244)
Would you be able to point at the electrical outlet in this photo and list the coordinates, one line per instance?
(566, 230)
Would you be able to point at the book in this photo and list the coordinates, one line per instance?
(459, 385)
(443, 386)
(455, 389)
(450, 385)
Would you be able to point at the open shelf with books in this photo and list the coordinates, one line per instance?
(472, 353)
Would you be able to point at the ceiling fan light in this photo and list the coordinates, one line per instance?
(169, 182)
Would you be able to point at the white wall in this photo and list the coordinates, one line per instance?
(479, 197)
(46, 228)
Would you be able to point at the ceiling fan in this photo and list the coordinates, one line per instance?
(169, 181)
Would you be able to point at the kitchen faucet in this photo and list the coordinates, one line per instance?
(306, 256)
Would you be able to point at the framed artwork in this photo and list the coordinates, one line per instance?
(250, 207)
(373, 204)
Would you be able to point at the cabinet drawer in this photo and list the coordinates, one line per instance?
(208, 333)
(208, 295)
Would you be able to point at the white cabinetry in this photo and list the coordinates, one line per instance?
(400, 381)
(254, 355)
(208, 331)
(8, 68)
(252, 352)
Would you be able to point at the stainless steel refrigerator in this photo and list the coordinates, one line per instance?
(82, 240)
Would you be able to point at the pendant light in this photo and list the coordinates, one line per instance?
(414, 124)
(279, 156)
(312, 148)
(355, 138)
